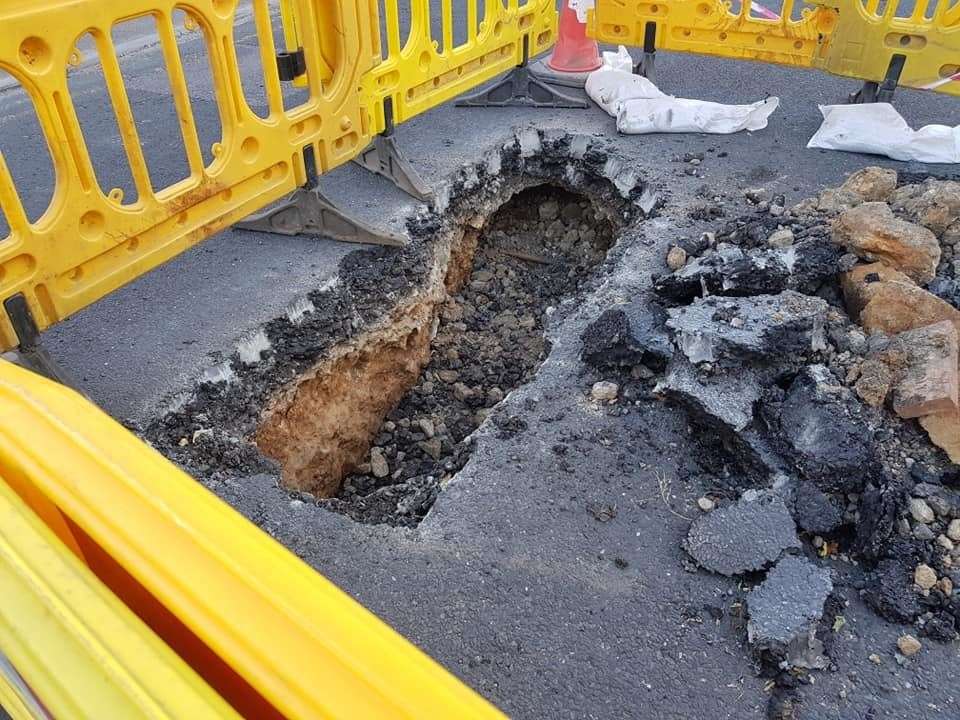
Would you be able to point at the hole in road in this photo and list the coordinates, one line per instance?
(384, 424)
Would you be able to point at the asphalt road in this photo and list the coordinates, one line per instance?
(506, 583)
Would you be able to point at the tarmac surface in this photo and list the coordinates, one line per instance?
(510, 581)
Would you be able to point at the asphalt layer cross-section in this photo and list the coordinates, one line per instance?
(510, 582)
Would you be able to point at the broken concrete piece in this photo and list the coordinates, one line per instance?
(730, 330)
(745, 536)
(821, 427)
(944, 432)
(872, 232)
(784, 612)
(815, 511)
(929, 383)
(628, 334)
(935, 204)
(725, 397)
(872, 184)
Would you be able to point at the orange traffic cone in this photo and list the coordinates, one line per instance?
(574, 51)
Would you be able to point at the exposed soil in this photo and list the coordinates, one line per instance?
(488, 340)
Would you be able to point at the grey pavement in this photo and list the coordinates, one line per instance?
(509, 582)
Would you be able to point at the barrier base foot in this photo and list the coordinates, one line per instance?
(520, 89)
(541, 71)
(383, 157)
(308, 212)
(30, 354)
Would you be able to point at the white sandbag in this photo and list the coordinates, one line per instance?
(619, 60)
(611, 88)
(677, 115)
(878, 129)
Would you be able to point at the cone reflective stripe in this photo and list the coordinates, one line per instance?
(574, 51)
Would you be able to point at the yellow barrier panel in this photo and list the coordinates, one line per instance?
(421, 70)
(846, 38)
(709, 27)
(70, 649)
(208, 580)
(867, 40)
(88, 242)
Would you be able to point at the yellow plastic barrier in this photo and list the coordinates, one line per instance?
(88, 242)
(70, 649)
(269, 634)
(844, 37)
(709, 27)
(866, 42)
(420, 71)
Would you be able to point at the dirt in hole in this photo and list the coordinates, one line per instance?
(536, 249)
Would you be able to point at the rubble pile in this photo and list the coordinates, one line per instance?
(488, 340)
(818, 345)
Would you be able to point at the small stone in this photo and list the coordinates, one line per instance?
(494, 395)
(921, 511)
(676, 257)
(461, 392)
(923, 532)
(604, 390)
(924, 576)
(755, 195)
(953, 530)
(781, 238)
(549, 210)
(908, 645)
(946, 584)
(378, 463)
(706, 504)
(432, 447)
(875, 659)
(427, 426)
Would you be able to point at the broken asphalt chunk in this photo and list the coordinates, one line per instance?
(725, 397)
(628, 334)
(784, 612)
(746, 536)
(815, 511)
(820, 425)
(728, 331)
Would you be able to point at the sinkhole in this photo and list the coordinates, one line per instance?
(380, 427)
